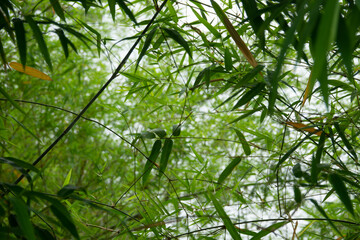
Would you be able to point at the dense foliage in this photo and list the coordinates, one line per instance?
(179, 119)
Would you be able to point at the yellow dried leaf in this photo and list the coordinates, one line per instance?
(304, 127)
(30, 71)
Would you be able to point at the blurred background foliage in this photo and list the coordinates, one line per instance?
(234, 119)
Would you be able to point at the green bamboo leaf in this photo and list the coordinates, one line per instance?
(112, 4)
(345, 44)
(165, 154)
(151, 160)
(160, 132)
(297, 194)
(176, 130)
(316, 160)
(63, 41)
(62, 214)
(19, 163)
(25, 128)
(228, 60)
(287, 155)
(20, 39)
(298, 173)
(255, 19)
(256, 90)
(325, 36)
(43, 234)
(243, 141)
(58, 9)
(40, 40)
(148, 135)
(2, 53)
(7, 96)
(146, 45)
(213, 30)
(321, 210)
(345, 141)
(176, 36)
(269, 230)
(274, 77)
(225, 218)
(23, 218)
(229, 168)
(341, 190)
(127, 11)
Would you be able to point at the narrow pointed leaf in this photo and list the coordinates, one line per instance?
(176, 36)
(321, 210)
(345, 141)
(228, 60)
(341, 190)
(213, 30)
(225, 218)
(25, 128)
(287, 155)
(165, 154)
(345, 45)
(127, 11)
(30, 71)
(20, 39)
(304, 127)
(269, 230)
(297, 194)
(112, 4)
(58, 9)
(63, 41)
(152, 160)
(19, 163)
(316, 160)
(228, 170)
(65, 219)
(325, 36)
(7, 96)
(146, 45)
(256, 90)
(243, 141)
(3, 55)
(234, 34)
(40, 40)
(23, 218)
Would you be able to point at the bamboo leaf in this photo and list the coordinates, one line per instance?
(287, 155)
(3, 55)
(160, 132)
(176, 130)
(20, 39)
(325, 36)
(269, 230)
(58, 9)
(7, 96)
(23, 218)
(112, 4)
(297, 194)
(25, 128)
(234, 34)
(151, 160)
(145, 47)
(345, 44)
(229, 168)
(175, 35)
(165, 154)
(304, 127)
(341, 190)
(228, 60)
(40, 40)
(63, 41)
(243, 141)
(345, 141)
(64, 217)
(256, 90)
(19, 163)
(316, 160)
(126, 9)
(321, 210)
(213, 30)
(225, 218)
(30, 71)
